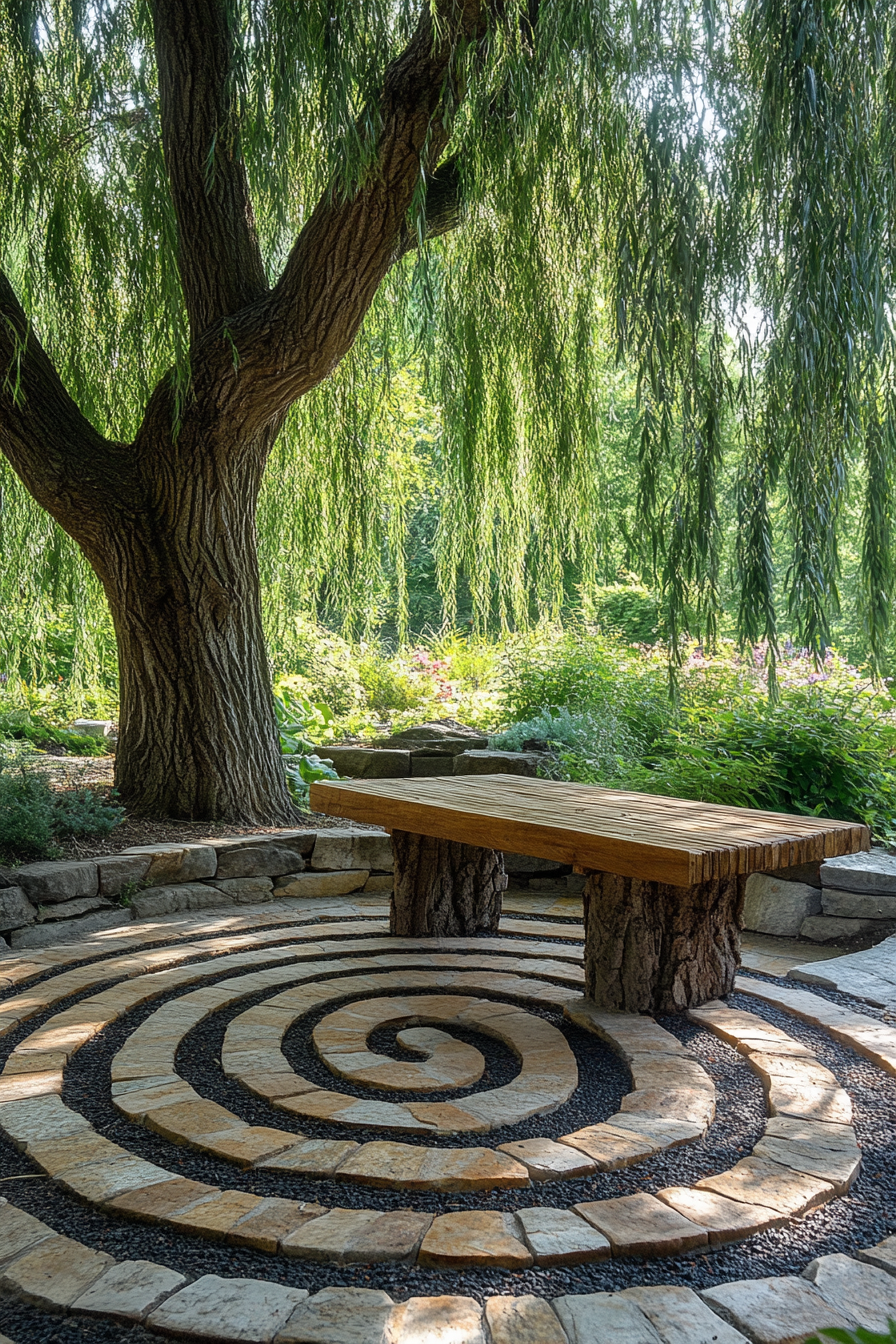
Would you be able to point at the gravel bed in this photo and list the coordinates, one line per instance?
(862, 1218)
(29, 1325)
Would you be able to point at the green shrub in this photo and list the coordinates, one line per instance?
(390, 686)
(859, 1336)
(319, 665)
(629, 610)
(22, 725)
(32, 815)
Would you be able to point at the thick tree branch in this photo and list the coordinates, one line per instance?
(290, 342)
(441, 209)
(70, 469)
(219, 259)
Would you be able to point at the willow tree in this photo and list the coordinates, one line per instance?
(203, 200)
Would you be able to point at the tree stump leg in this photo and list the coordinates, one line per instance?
(654, 948)
(444, 888)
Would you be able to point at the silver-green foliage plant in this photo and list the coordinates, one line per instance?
(227, 225)
(33, 815)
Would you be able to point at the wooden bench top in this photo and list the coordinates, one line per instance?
(605, 830)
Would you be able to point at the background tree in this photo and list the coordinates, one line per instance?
(204, 200)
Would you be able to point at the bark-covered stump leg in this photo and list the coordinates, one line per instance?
(444, 888)
(654, 948)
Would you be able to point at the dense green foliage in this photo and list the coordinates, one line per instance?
(33, 815)
(705, 191)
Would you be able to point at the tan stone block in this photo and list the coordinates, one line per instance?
(322, 884)
(99, 1181)
(331, 1236)
(522, 1320)
(246, 1146)
(437, 1320)
(548, 1161)
(214, 1218)
(680, 1317)
(184, 1121)
(467, 1240)
(775, 1310)
(277, 1085)
(315, 1158)
(641, 1224)
(394, 1236)
(798, 1072)
(866, 1293)
(37, 1119)
(129, 1290)
(835, 1166)
(664, 1133)
(266, 1226)
(319, 1104)
(446, 1117)
(831, 1105)
(649, 1073)
(883, 1255)
(57, 1154)
(755, 1180)
(55, 1272)
(472, 1169)
(38, 1061)
(724, 1219)
(609, 1148)
(560, 1237)
(18, 1086)
(19, 1231)
(247, 1309)
(840, 1138)
(156, 1203)
(136, 1105)
(386, 1165)
(686, 1103)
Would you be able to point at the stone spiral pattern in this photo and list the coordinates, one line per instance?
(364, 981)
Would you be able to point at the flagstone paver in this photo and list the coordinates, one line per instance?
(867, 1293)
(775, 1311)
(339, 1316)
(680, 1317)
(724, 1219)
(883, 1255)
(228, 1310)
(523, 1320)
(561, 1237)
(436, 1320)
(871, 1038)
(458, 1240)
(129, 1290)
(609, 1318)
(756, 1180)
(546, 1160)
(55, 1272)
(643, 1225)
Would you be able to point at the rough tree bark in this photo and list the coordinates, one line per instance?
(655, 948)
(443, 888)
(168, 521)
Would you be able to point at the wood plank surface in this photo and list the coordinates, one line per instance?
(603, 830)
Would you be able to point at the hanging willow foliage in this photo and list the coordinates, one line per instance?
(718, 180)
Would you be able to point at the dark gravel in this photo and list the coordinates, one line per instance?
(862, 1218)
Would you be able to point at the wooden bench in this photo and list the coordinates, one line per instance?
(664, 894)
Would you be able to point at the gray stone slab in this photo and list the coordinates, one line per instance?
(65, 880)
(129, 1291)
(117, 871)
(246, 1310)
(857, 904)
(775, 1310)
(339, 1316)
(19, 1232)
(245, 890)
(523, 1320)
(604, 1318)
(15, 909)
(560, 1237)
(72, 909)
(867, 975)
(679, 1316)
(867, 1293)
(872, 870)
(258, 861)
(339, 850)
(368, 762)
(54, 1273)
(773, 906)
(883, 1255)
(172, 863)
(428, 767)
(436, 1320)
(69, 930)
(171, 900)
(833, 928)
(498, 763)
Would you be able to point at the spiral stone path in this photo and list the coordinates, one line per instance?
(287, 1125)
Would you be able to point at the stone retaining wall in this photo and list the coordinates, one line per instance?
(835, 900)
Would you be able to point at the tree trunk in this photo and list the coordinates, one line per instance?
(443, 888)
(198, 737)
(654, 948)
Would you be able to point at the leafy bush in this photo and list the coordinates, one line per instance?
(22, 725)
(588, 747)
(390, 685)
(319, 665)
(303, 771)
(859, 1336)
(629, 610)
(32, 815)
(301, 723)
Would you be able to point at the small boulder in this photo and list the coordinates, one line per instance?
(773, 906)
(873, 871)
(72, 909)
(177, 863)
(258, 861)
(497, 763)
(66, 880)
(341, 850)
(15, 909)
